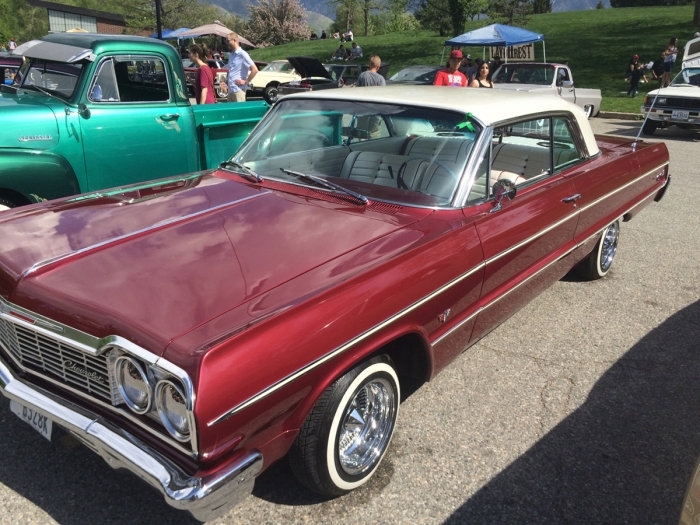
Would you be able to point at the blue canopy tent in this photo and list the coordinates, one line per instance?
(169, 34)
(495, 35)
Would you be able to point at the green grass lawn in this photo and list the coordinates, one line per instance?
(597, 43)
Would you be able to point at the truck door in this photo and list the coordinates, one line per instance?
(132, 129)
(567, 93)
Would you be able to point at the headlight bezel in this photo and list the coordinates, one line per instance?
(159, 400)
(118, 369)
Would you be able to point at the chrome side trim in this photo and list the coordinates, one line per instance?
(204, 497)
(533, 237)
(504, 294)
(161, 224)
(95, 346)
(601, 199)
(339, 350)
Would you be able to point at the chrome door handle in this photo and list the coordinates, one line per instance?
(572, 198)
(170, 116)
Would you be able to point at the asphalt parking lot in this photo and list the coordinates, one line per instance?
(581, 408)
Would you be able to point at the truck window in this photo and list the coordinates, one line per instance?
(130, 80)
(56, 77)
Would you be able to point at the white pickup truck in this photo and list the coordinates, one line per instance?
(537, 77)
(679, 103)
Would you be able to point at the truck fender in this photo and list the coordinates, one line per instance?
(28, 176)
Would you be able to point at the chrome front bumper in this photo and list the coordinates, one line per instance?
(204, 497)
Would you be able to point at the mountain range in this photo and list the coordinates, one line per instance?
(318, 10)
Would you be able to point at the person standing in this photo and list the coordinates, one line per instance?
(204, 78)
(468, 68)
(241, 70)
(451, 76)
(483, 79)
(634, 80)
(372, 76)
(670, 54)
(11, 45)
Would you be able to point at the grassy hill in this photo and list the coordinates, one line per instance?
(597, 43)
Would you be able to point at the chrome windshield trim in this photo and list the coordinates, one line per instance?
(136, 233)
(339, 350)
(97, 346)
(601, 199)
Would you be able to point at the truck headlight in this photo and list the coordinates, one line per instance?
(133, 384)
(172, 408)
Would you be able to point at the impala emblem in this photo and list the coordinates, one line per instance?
(31, 138)
(70, 365)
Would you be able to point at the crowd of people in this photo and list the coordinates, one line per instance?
(462, 71)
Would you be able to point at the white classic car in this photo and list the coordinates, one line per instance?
(679, 103)
(275, 73)
(555, 79)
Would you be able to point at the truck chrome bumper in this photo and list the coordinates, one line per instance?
(204, 497)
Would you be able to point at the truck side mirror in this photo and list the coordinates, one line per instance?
(84, 111)
(567, 84)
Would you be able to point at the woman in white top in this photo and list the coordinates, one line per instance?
(670, 54)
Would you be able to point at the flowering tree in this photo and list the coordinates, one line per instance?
(274, 22)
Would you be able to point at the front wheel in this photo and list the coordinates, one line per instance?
(598, 262)
(649, 127)
(347, 433)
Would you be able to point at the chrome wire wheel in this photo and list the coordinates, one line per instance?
(608, 247)
(367, 426)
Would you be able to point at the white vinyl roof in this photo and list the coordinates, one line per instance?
(489, 106)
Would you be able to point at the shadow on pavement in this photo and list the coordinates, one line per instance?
(630, 128)
(625, 456)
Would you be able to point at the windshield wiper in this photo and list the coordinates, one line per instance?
(327, 184)
(42, 90)
(241, 167)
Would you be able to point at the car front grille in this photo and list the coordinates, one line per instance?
(54, 359)
(677, 102)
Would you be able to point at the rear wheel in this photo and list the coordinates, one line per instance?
(588, 109)
(9, 201)
(270, 93)
(649, 127)
(347, 433)
(598, 262)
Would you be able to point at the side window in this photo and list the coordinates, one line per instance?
(481, 189)
(522, 152)
(562, 75)
(363, 128)
(565, 150)
(141, 79)
(104, 88)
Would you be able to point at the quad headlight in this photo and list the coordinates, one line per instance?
(172, 408)
(133, 384)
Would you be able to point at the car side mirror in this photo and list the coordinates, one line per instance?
(567, 84)
(502, 189)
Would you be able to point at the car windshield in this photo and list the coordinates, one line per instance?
(391, 152)
(414, 75)
(278, 66)
(688, 77)
(56, 78)
(539, 74)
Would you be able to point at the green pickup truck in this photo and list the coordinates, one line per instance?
(88, 112)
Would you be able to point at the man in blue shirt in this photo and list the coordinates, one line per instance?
(241, 70)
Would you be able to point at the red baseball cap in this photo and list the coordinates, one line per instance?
(635, 56)
(456, 54)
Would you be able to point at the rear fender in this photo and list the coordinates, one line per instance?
(37, 175)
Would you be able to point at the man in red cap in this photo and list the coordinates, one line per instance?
(451, 76)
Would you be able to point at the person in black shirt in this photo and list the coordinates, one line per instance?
(637, 74)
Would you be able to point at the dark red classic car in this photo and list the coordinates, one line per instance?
(197, 330)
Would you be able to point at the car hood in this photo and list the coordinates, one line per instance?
(27, 121)
(309, 67)
(152, 263)
(530, 88)
(676, 91)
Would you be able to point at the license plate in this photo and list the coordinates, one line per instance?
(680, 114)
(39, 422)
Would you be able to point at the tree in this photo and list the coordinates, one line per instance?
(600, 5)
(696, 13)
(511, 12)
(542, 6)
(435, 15)
(274, 22)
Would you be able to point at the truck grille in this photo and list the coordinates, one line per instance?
(676, 102)
(57, 360)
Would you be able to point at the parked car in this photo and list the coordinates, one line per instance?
(415, 75)
(552, 78)
(679, 103)
(347, 74)
(9, 66)
(96, 111)
(314, 77)
(266, 81)
(197, 330)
